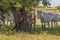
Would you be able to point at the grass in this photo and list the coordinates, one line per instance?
(48, 34)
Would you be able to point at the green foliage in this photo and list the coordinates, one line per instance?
(4, 3)
(46, 2)
(20, 3)
(58, 7)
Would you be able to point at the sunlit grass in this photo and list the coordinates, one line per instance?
(26, 36)
(48, 34)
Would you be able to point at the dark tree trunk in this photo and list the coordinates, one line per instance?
(20, 20)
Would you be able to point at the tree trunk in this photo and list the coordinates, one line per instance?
(20, 20)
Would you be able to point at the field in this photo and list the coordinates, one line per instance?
(48, 34)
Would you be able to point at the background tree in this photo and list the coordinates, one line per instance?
(19, 9)
(58, 8)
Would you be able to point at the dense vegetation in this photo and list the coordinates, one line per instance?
(19, 9)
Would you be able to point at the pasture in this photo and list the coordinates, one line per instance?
(17, 17)
(48, 34)
(38, 34)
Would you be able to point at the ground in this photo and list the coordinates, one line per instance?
(23, 36)
(48, 34)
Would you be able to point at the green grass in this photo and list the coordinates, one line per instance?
(48, 34)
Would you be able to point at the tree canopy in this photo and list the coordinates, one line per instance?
(20, 3)
(18, 9)
(58, 8)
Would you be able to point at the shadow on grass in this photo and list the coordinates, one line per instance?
(6, 30)
(38, 30)
(53, 31)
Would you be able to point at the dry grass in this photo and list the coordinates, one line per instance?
(52, 34)
(25, 36)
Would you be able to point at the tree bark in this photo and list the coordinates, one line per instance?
(20, 20)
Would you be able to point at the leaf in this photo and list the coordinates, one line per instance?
(18, 5)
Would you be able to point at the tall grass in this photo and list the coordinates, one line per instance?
(48, 34)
